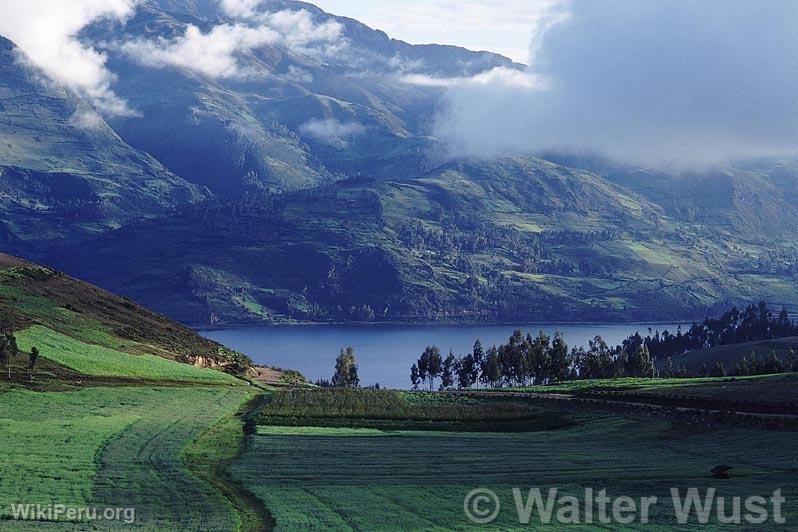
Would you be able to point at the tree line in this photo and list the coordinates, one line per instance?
(754, 323)
(527, 359)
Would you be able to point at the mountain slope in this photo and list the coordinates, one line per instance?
(86, 330)
(63, 169)
(512, 239)
(287, 116)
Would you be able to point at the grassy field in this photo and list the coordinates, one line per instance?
(778, 388)
(363, 479)
(393, 410)
(117, 447)
(96, 360)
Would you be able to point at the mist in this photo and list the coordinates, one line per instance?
(668, 85)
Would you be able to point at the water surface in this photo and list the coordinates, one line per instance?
(386, 352)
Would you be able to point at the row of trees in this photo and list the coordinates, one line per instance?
(525, 359)
(754, 323)
(748, 365)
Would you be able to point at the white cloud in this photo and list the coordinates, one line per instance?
(331, 131)
(240, 8)
(506, 77)
(658, 83)
(46, 31)
(218, 53)
(87, 120)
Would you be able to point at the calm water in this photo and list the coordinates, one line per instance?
(386, 352)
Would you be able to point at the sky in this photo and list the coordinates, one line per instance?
(664, 84)
(501, 26)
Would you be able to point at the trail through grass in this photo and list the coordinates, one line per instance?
(115, 447)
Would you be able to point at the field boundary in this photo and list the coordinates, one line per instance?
(253, 513)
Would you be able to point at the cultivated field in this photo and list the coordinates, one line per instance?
(373, 478)
(99, 361)
(365, 479)
(116, 447)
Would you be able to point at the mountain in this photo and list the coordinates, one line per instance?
(63, 170)
(287, 117)
(515, 238)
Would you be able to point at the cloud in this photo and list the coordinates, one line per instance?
(87, 120)
(240, 8)
(663, 84)
(502, 76)
(331, 131)
(46, 31)
(218, 53)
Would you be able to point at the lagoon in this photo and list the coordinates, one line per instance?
(386, 352)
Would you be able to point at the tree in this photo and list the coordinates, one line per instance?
(4, 356)
(559, 359)
(33, 357)
(491, 368)
(719, 370)
(447, 374)
(465, 372)
(479, 357)
(346, 370)
(791, 361)
(8, 350)
(430, 365)
(667, 371)
(640, 363)
(415, 379)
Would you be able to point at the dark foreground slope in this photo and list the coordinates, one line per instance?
(83, 330)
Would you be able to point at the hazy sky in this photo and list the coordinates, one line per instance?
(660, 83)
(502, 26)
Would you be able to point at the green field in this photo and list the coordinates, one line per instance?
(99, 361)
(116, 447)
(344, 479)
(778, 388)
(384, 409)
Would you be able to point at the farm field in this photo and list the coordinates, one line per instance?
(117, 447)
(383, 409)
(777, 388)
(365, 479)
(99, 361)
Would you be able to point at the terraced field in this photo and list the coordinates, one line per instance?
(115, 447)
(364, 479)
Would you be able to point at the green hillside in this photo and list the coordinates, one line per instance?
(729, 355)
(63, 170)
(81, 330)
(512, 239)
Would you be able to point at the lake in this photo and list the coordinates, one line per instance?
(386, 352)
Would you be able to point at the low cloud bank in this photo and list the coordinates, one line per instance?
(671, 85)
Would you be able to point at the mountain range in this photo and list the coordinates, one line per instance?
(303, 182)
